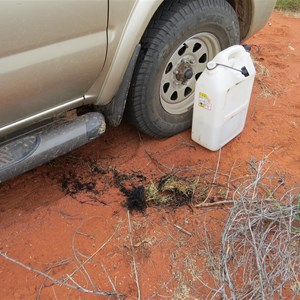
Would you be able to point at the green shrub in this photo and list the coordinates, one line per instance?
(291, 5)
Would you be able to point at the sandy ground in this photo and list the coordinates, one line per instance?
(67, 218)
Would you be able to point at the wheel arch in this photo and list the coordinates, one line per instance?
(108, 83)
(142, 12)
(243, 9)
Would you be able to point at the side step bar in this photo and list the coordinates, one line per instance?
(31, 151)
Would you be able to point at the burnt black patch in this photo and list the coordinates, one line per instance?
(96, 169)
(180, 199)
(130, 186)
(169, 191)
(72, 185)
(141, 177)
(136, 200)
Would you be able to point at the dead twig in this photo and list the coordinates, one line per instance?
(182, 230)
(55, 296)
(56, 281)
(57, 264)
(159, 164)
(218, 203)
(76, 252)
(111, 283)
(133, 257)
(214, 179)
(89, 258)
(228, 181)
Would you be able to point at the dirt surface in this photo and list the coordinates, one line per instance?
(69, 217)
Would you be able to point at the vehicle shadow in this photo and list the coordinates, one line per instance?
(48, 183)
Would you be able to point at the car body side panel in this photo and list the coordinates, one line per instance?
(125, 34)
(261, 12)
(51, 52)
(128, 21)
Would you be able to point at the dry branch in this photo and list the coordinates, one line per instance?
(182, 230)
(76, 286)
(81, 265)
(258, 257)
(133, 257)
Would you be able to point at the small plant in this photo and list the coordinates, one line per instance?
(288, 5)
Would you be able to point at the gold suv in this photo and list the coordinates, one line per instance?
(101, 57)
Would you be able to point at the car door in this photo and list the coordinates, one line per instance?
(51, 53)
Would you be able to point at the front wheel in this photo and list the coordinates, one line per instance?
(179, 41)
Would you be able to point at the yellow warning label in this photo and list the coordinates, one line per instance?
(204, 101)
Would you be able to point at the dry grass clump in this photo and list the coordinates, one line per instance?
(263, 72)
(170, 191)
(261, 69)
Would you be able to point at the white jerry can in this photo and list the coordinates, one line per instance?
(222, 98)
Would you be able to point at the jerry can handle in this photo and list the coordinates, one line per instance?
(213, 65)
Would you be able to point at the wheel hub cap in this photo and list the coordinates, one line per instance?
(183, 69)
(183, 72)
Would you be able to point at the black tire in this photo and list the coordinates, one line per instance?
(176, 22)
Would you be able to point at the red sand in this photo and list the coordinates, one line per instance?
(40, 225)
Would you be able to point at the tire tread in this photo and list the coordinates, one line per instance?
(169, 17)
